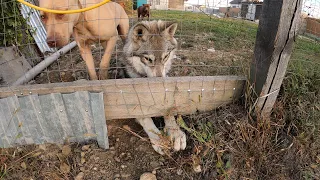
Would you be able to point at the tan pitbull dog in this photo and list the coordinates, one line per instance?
(102, 24)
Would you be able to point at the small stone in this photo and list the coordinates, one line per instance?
(212, 50)
(79, 176)
(125, 175)
(42, 147)
(133, 139)
(66, 150)
(82, 169)
(95, 168)
(111, 148)
(197, 168)
(122, 155)
(85, 148)
(202, 63)
(117, 176)
(117, 159)
(179, 172)
(64, 168)
(92, 157)
(154, 172)
(148, 176)
(188, 61)
(83, 154)
(103, 171)
(23, 165)
(123, 166)
(117, 139)
(154, 164)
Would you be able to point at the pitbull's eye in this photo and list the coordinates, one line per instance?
(42, 16)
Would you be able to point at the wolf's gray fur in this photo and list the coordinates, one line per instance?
(149, 52)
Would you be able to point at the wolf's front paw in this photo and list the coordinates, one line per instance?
(156, 144)
(177, 136)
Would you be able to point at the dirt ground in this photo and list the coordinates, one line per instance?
(129, 156)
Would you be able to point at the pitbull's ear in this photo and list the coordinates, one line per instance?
(140, 32)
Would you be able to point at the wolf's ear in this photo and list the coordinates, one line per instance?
(171, 28)
(140, 32)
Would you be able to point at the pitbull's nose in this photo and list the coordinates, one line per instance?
(51, 42)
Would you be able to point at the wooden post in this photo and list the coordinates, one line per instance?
(276, 34)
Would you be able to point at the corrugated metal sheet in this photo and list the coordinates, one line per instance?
(33, 18)
(53, 118)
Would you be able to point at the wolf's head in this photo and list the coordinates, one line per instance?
(150, 48)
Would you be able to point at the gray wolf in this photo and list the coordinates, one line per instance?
(102, 24)
(143, 11)
(148, 52)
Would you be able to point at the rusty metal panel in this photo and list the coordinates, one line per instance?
(52, 118)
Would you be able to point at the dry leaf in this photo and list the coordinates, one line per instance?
(314, 166)
(36, 154)
(85, 148)
(64, 168)
(90, 135)
(42, 147)
(66, 150)
(82, 154)
(79, 176)
(83, 160)
(127, 127)
(23, 165)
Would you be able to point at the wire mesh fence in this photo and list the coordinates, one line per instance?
(215, 38)
(212, 40)
(207, 45)
(204, 45)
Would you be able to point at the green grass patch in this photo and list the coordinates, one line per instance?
(228, 34)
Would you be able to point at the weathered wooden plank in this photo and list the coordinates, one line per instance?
(145, 97)
(159, 98)
(98, 86)
(276, 33)
(97, 107)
